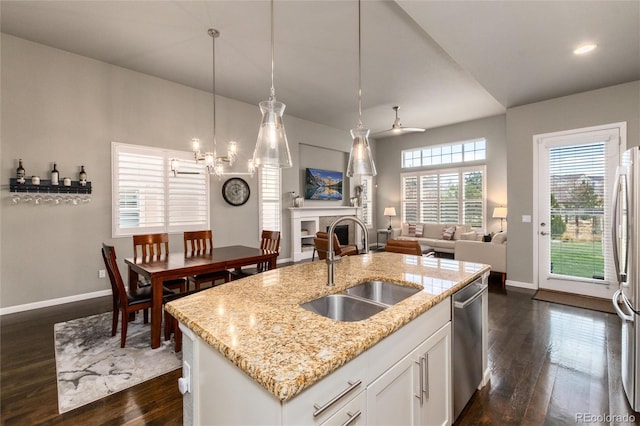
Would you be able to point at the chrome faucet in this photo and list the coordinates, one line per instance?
(331, 258)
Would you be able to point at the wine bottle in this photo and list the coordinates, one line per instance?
(82, 177)
(55, 175)
(20, 172)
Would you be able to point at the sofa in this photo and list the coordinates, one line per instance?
(441, 237)
(492, 253)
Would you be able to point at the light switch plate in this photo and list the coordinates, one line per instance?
(526, 218)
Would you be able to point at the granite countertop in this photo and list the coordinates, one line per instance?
(257, 323)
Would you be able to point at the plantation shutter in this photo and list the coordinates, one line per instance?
(472, 203)
(147, 198)
(410, 199)
(139, 198)
(188, 206)
(429, 198)
(270, 198)
(367, 200)
(445, 196)
(449, 190)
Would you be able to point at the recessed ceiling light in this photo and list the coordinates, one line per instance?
(585, 48)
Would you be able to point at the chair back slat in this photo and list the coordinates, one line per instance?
(117, 284)
(270, 240)
(151, 245)
(198, 242)
(403, 246)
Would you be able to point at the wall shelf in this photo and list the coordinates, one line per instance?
(45, 187)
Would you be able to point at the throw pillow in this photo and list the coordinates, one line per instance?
(419, 229)
(412, 229)
(499, 238)
(471, 235)
(404, 229)
(447, 233)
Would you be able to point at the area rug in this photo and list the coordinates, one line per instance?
(91, 365)
(586, 302)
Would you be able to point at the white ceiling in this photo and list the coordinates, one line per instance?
(443, 62)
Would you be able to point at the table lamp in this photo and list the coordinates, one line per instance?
(500, 213)
(389, 211)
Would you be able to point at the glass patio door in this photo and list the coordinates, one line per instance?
(575, 176)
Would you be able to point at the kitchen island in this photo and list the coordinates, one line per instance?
(252, 355)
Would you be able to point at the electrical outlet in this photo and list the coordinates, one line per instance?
(102, 273)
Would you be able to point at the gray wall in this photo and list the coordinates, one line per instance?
(603, 106)
(388, 161)
(62, 107)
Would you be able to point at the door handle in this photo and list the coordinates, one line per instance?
(544, 233)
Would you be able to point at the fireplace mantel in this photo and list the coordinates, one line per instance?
(308, 218)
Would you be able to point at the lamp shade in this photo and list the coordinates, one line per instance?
(272, 148)
(360, 158)
(500, 213)
(389, 211)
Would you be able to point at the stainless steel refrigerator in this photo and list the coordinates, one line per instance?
(626, 252)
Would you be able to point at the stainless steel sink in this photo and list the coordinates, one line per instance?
(382, 292)
(342, 307)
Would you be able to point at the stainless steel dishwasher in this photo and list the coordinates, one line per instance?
(467, 343)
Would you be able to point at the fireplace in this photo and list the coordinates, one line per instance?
(342, 232)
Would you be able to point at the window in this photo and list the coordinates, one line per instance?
(270, 194)
(148, 198)
(459, 152)
(444, 196)
(367, 199)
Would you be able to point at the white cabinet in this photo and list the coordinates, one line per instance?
(417, 390)
(377, 387)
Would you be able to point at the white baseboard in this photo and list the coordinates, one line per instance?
(521, 284)
(53, 302)
(485, 378)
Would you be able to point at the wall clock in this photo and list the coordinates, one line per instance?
(236, 191)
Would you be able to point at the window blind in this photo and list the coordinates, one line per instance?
(445, 196)
(270, 198)
(148, 198)
(577, 187)
(367, 199)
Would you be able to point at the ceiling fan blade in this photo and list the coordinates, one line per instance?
(412, 130)
(397, 131)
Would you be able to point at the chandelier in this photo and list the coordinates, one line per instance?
(214, 163)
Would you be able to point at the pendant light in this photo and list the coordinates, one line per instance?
(360, 158)
(272, 149)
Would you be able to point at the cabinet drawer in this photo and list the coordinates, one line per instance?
(352, 414)
(328, 396)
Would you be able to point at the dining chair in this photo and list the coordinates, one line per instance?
(403, 246)
(125, 302)
(269, 240)
(321, 243)
(155, 246)
(201, 242)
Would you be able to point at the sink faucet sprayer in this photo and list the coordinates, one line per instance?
(331, 259)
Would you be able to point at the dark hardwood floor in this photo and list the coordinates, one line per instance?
(548, 364)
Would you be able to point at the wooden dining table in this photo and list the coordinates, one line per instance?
(179, 265)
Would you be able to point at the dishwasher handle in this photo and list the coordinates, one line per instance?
(471, 299)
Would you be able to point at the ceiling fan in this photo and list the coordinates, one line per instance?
(397, 128)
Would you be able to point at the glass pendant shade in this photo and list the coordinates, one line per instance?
(360, 158)
(272, 148)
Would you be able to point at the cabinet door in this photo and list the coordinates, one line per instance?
(437, 406)
(391, 399)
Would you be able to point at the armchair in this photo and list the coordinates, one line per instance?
(321, 243)
(493, 253)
